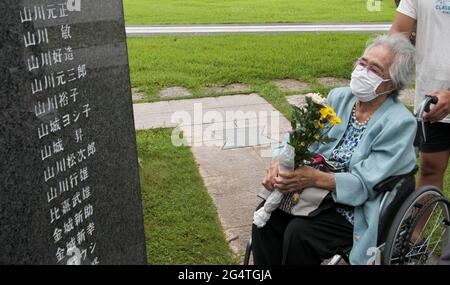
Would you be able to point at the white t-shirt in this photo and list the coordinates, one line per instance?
(432, 43)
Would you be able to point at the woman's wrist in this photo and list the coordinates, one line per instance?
(325, 180)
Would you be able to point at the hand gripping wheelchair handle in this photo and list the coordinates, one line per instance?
(430, 100)
(425, 108)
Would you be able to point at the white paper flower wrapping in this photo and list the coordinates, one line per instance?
(286, 160)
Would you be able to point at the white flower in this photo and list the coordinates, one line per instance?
(318, 99)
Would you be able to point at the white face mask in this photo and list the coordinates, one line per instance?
(364, 84)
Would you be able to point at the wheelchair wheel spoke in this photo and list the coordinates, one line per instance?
(435, 226)
(436, 243)
(394, 260)
(425, 225)
(422, 250)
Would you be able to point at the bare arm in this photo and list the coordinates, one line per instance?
(403, 24)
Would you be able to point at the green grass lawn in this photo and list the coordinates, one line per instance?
(253, 11)
(181, 223)
(194, 62)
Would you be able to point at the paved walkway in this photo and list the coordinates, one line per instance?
(233, 159)
(154, 30)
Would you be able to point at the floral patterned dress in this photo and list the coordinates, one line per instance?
(342, 154)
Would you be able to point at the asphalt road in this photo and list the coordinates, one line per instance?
(155, 30)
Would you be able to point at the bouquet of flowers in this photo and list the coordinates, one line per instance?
(309, 124)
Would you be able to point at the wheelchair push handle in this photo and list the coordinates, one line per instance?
(432, 100)
(429, 99)
(425, 108)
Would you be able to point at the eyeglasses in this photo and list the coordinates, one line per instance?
(362, 64)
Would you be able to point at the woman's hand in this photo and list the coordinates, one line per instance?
(300, 179)
(271, 173)
(304, 177)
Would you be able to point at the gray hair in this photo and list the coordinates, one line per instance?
(402, 69)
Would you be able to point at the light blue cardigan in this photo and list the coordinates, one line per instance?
(386, 149)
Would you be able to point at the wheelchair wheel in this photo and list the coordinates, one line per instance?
(419, 231)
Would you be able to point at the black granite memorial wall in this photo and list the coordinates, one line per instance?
(69, 183)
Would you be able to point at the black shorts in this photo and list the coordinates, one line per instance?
(438, 137)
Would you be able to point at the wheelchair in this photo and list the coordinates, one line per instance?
(413, 225)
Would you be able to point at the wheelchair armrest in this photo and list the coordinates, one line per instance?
(389, 183)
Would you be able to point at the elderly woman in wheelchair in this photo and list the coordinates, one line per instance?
(374, 142)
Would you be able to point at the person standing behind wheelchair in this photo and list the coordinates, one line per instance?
(374, 142)
(432, 19)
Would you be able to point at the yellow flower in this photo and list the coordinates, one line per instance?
(335, 121)
(327, 111)
(302, 144)
(321, 125)
(317, 137)
(324, 113)
(331, 112)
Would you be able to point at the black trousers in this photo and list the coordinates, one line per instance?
(293, 240)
